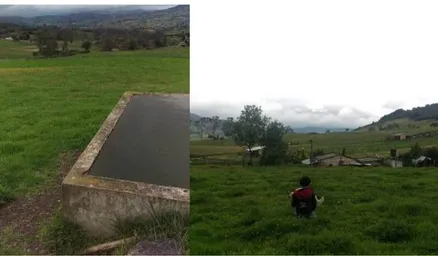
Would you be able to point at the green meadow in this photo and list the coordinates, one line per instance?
(236, 210)
(368, 210)
(51, 108)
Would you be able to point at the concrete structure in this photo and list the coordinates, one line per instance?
(333, 159)
(399, 136)
(371, 161)
(254, 152)
(394, 163)
(125, 171)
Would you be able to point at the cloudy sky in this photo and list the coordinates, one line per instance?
(36, 10)
(325, 63)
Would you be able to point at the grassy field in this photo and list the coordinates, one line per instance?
(356, 143)
(237, 210)
(10, 50)
(53, 106)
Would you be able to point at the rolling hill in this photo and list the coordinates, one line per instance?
(418, 117)
(172, 20)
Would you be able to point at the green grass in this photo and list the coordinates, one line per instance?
(237, 210)
(15, 50)
(53, 106)
(356, 143)
(57, 105)
(62, 237)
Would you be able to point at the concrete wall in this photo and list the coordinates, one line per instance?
(395, 163)
(96, 210)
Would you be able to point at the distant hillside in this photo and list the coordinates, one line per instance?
(428, 112)
(172, 20)
(410, 118)
(319, 130)
(209, 127)
(194, 117)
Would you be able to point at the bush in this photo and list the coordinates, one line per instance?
(86, 45)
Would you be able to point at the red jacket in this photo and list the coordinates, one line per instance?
(304, 200)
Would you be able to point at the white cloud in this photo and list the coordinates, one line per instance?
(325, 62)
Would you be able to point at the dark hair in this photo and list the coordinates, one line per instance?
(305, 181)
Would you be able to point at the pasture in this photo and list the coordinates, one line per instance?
(51, 109)
(368, 210)
(357, 144)
(237, 210)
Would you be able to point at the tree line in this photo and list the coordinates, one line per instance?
(53, 41)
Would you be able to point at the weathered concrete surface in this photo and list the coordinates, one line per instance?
(96, 202)
(95, 209)
(149, 143)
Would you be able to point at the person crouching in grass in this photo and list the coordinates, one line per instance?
(304, 200)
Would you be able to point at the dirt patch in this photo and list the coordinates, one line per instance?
(25, 215)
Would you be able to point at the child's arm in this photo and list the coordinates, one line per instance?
(319, 200)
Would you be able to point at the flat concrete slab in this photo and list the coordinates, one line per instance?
(149, 143)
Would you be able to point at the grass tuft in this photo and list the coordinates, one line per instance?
(62, 237)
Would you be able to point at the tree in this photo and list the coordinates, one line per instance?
(215, 123)
(186, 39)
(416, 151)
(289, 129)
(249, 130)
(86, 45)
(15, 38)
(228, 127)
(275, 148)
(66, 35)
(106, 43)
(198, 125)
(46, 43)
(132, 45)
(201, 124)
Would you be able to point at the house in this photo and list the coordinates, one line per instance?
(333, 159)
(255, 151)
(370, 161)
(399, 136)
(422, 161)
(394, 163)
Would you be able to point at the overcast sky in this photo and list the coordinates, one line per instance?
(328, 63)
(36, 10)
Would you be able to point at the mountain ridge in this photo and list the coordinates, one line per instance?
(175, 18)
(428, 112)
